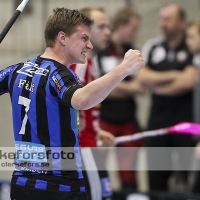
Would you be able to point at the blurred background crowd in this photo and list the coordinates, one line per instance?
(166, 91)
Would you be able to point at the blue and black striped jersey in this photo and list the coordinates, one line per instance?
(44, 121)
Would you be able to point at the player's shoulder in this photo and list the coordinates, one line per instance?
(55, 67)
(11, 68)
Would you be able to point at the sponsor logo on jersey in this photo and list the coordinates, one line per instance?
(77, 120)
(27, 151)
(30, 69)
(55, 80)
(5, 72)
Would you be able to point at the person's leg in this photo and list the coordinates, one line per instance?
(181, 144)
(159, 162)
(106, 187)
(126, 156)
(95, 174)
(127, 153)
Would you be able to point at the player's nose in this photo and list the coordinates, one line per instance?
(89, 45)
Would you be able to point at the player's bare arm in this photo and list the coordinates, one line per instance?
(98, 90)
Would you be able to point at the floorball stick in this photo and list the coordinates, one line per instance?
(180, 128)
(12, 20)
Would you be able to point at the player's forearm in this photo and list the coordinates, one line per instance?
(98, 90)
(152, 78)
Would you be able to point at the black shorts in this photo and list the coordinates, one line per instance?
(52, 191)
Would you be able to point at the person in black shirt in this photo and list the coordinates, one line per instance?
(171, 78)
(117, 112)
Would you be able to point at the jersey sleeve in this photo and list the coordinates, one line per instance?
(4, 79)
(64, 83)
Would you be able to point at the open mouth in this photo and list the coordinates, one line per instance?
(83, 53)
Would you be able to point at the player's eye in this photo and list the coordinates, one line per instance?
(84, 38)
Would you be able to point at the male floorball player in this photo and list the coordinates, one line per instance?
(45, 97)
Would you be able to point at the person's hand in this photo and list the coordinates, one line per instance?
(133, 61)
(105, 138)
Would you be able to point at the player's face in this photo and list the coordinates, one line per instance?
(78, 44)
(100, 30)
(129, 31)
(170, 22)
(193, 39)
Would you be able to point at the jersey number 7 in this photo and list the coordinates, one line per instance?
(24, 102)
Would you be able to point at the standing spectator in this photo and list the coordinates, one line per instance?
(97, 181)
(117, 112)
(171, 78)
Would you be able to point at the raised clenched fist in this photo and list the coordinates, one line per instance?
(133, 61)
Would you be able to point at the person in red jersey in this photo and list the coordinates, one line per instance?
(98, 182)
(89, 119)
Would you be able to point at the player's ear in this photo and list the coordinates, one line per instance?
(62, 37)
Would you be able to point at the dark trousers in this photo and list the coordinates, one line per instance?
(161, 158)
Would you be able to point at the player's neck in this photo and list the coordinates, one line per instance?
(52, 53)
